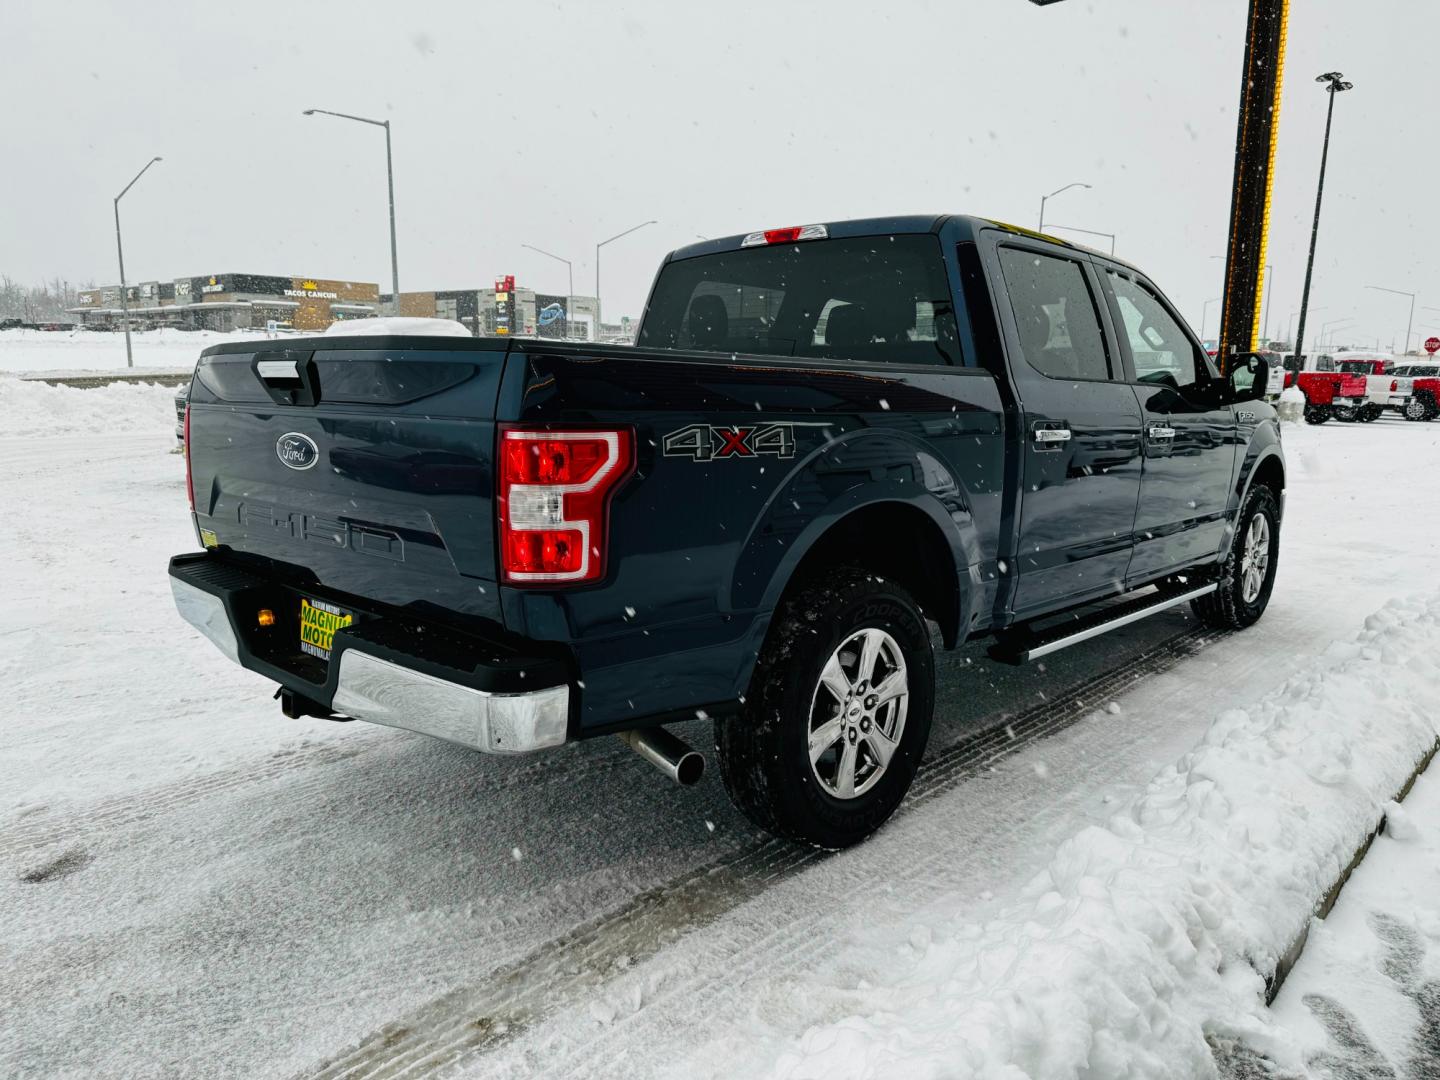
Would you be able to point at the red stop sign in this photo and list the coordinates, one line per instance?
(1432, 345)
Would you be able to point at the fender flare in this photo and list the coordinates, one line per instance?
(1248, 475)
(772, 552)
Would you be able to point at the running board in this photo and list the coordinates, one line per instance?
(1032, 647)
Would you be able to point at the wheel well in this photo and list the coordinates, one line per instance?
(1272, 474)
(897, 542)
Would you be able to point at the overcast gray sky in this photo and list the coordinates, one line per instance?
(559, 124)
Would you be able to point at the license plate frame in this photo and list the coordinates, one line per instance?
(318, 622)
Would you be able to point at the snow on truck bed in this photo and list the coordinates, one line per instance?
(194, 884)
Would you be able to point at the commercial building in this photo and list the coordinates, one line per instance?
(231, 302)
(508, 310)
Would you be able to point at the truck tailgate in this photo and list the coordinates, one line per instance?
(360, 464)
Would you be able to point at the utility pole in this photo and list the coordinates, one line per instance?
(120, 251)
(1334, 84)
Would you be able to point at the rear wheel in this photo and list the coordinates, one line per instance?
(838, 712)
(1415, 409)
(1317, 414)
(1370, 413)
(1248, 573)
(1346, 414)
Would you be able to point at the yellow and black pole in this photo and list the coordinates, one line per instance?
(1246, 256)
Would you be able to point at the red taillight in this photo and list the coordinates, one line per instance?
(189, 477)
(1394, 385)
(555, 489)
(789, 235)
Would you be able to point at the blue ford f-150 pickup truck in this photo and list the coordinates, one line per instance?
(826, 438)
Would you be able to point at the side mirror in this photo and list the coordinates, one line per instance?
(1249, 377)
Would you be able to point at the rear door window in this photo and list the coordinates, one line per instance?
(874, 299)
(1055, 314)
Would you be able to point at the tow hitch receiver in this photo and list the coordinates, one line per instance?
(296, 705)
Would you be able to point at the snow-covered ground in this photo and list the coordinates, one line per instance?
(1364, 1000)
(195, 885)
(68, 352)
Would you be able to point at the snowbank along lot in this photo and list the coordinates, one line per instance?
(195, 885)
(1364, 1000)
(69, 351)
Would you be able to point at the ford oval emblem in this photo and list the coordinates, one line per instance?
(297, 451)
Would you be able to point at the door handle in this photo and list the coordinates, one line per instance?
(1160, 431)
(1052, 436)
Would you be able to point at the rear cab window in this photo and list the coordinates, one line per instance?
(873, 299)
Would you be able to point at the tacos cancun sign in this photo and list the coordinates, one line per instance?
(310, 289)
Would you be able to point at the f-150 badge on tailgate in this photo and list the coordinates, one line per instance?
(297, 451)
(704, 442)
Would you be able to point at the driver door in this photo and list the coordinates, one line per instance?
(1189, 440)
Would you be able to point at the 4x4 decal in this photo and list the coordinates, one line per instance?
(706, 442)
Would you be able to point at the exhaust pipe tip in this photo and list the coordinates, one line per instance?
(690, 768)
(682, 764)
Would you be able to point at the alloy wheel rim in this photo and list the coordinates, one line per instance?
(857, 713)
(1255, 560)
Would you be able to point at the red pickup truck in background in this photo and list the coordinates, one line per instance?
(1337, 394)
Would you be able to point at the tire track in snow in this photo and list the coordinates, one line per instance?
(463, 1024)
(121, 812)
(126, 810)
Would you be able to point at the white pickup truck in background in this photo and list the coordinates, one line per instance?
(1382, 390)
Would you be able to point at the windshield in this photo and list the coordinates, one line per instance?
(878, 299)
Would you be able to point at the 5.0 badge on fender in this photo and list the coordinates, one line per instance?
(297, 451)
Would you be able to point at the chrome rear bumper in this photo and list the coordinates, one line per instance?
(382, 691)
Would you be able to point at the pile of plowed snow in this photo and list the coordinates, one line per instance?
(36, 408)
(1149, 939)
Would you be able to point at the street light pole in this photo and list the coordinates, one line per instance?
(390, 181)
(1290, 322)
(569, 266)
(599, 317)
(1265, 333)
(1205, 314)
(1332, 326)
(120, 251)
(1052, 194)
(1089, 232)
(1409, 325)
(1334, 84)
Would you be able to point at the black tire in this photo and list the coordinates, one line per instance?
(1227, 607)
(764, 753)
(1346, 414)
(1370, 413)
(1416, 409)
(1317, 414)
